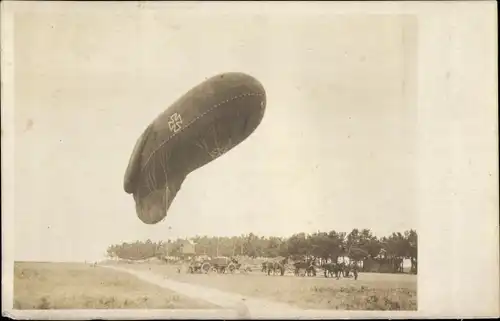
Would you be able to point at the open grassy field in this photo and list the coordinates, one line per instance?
(372, 291)
(81, 286)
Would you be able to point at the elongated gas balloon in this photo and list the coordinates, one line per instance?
(202, 125)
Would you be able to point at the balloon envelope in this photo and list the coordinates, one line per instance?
(200, 126)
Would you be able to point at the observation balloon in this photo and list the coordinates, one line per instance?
(200, 126)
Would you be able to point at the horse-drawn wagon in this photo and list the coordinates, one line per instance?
(199, 266)
(218, 264)
(222, 264)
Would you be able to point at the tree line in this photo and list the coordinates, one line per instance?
(358, 245)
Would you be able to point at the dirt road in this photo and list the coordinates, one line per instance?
(246, 307)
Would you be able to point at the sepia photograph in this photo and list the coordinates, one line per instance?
(200, 160)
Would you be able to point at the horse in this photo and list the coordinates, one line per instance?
(331, 269)
(307, 266)
(311, 269)
(269, 267)
(275, 267)
(302, 265)
(354, 268)
(280, 266)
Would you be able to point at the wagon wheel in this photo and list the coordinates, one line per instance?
(231, 267)
(205, 267)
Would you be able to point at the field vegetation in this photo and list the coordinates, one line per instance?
(82, 286)
(372, 291)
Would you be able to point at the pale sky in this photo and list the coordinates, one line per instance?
(335, 150)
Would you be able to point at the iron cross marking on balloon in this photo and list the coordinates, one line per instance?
(175, 122)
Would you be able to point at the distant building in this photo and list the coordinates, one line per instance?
(188, 247)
